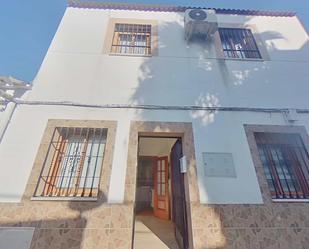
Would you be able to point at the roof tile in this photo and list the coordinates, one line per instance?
(171, 8)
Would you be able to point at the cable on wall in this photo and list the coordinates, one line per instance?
(159, 107)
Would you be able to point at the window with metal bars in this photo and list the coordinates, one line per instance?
(286, 164)
(72, 166)
(239, 43)
(131, 39)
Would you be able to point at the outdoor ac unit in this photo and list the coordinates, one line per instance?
(200, 23)
(291, 116)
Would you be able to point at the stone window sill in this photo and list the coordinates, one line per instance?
(243, 59)
(64, 198)
(131, 55)
(290, 200)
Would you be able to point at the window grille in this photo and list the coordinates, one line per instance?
(239, 43)
(72, 166)
(132, 39)
(286, 164)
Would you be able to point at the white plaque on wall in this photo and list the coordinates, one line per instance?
(219, 164)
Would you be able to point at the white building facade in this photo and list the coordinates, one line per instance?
(128, 71)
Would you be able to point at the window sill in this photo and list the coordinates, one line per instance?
(35, 198)
(290, 200)
(243, 59)
(131, 55)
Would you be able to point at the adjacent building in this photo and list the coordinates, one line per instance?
(159, 124)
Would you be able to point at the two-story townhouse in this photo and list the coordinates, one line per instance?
(137, 134)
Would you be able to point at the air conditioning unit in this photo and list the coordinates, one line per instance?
(291, 116)
(200, 23)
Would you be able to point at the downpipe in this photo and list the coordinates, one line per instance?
(4, 122)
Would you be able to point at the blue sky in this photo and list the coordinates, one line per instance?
(28, 26)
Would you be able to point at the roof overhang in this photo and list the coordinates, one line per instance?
(171, 8)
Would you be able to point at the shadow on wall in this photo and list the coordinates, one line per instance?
(57, 225)
(177, 77)
(188, 74)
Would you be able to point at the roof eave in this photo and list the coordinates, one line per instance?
(171, 8)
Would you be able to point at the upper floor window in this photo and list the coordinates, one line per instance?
(131, 39)
(72, 166)
(239, 43)
(286, 164)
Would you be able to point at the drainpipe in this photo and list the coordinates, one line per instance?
(9, 83)
(4, 122)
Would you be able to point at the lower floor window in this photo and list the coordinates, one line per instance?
(72, 166)
(286, 164)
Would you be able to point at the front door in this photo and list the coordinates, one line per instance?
(161, 201)
(179, 201)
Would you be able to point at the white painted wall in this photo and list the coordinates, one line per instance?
(151, 146)
(75, 69)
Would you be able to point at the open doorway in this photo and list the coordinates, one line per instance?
(160, 209)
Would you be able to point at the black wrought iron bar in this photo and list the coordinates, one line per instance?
(79, 156)
(244, 37)
(118, 40)
(56, 154)
(250, 47)
(68, 156)
(113, 39)
(232, 44)
(135, 39)
(273, 171)
(243, 42)
(65, 162)
(75, 161)
(303, 182)
(96, 161)
(255, 44)
(283, 171)
(129, 35)
(148, 36)
(228, 44)
(289, 168)
(126, 26)
(223, 40)
(44, 165)
(88, 162)
(280, 181)
(238, 40)
(62, 155)
(305, 158)
(79, 170)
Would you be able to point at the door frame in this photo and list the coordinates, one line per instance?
(170, 193)
(169, 167)
(181, 130)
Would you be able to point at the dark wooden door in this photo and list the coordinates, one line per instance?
(178, 196)
(161, 200)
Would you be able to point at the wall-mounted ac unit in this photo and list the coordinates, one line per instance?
(200, 23)
(291, 116)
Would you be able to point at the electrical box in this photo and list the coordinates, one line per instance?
(219, 165)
